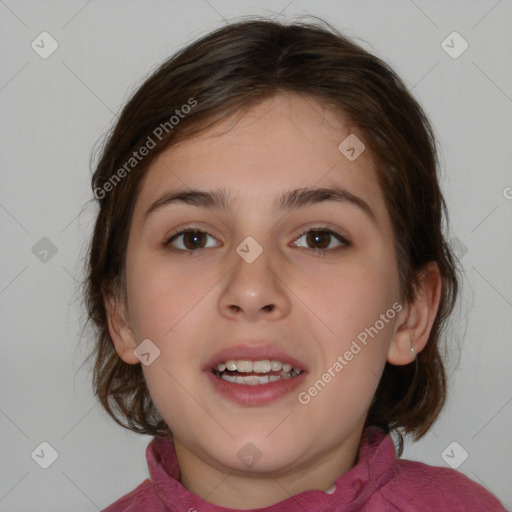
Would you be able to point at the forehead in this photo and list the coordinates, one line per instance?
(284, 142)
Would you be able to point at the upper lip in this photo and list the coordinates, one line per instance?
(252, 351)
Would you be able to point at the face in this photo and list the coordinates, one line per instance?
(254, 279)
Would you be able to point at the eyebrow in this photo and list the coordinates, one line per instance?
(297, 198)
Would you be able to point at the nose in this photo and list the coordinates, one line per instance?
(255, 290)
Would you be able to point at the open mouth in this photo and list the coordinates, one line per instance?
(255, 373)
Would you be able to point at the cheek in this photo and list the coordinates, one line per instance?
(167, 309)
(152, 306)
(160, 294)
(349, 297)
(169, 306)
(347, 324)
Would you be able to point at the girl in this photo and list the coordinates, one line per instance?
(269, 279)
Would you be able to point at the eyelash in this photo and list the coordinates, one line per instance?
(319, 252)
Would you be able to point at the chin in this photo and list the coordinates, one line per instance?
(256, 454)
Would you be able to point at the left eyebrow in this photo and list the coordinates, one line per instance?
(297, 198)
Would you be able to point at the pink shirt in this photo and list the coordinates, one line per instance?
(379, 482)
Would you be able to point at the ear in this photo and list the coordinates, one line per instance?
(417, 318)
(120, 330)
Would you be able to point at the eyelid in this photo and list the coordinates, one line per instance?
(344, 242)
(183, 230)
(325, 227)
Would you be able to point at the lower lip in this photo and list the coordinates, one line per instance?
(259, 394)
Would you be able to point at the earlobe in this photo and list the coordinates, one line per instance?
(403, 348)
(414, 329)
(120, 331)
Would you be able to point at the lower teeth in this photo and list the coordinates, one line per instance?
(255, 380)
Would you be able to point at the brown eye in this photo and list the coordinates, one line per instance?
(191, 240)
(194, 239)
(321, 239)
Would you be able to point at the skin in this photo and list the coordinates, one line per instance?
(322, 300)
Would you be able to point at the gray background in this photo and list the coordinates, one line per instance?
(54, 110)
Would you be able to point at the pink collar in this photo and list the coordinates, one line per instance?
(376, 457)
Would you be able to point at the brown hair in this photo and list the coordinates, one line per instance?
(227, 72)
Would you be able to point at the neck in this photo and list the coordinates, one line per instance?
(231, 489)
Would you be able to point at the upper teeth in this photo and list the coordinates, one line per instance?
(264, 366)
